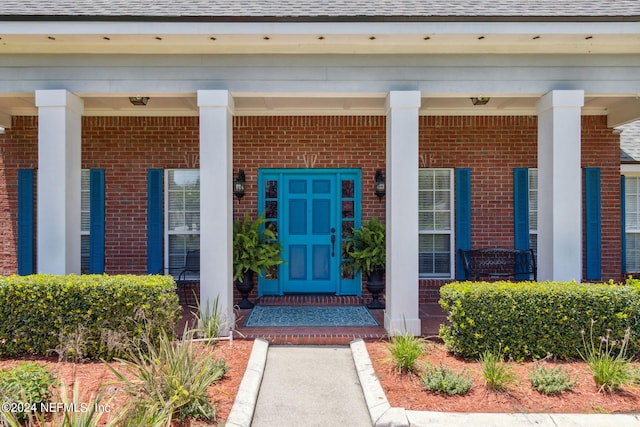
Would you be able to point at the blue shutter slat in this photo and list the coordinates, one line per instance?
(154, 221)
(96, 221)
(623, 227)
(25, 222)
(593, 224)
(463, 217)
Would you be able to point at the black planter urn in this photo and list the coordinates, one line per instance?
(245, 287)
(375, 285)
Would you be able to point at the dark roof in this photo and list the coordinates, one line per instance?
(327, 10)
(630, 142)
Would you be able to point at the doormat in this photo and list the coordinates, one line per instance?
(262, 316)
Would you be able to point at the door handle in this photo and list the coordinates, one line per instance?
(333, 241)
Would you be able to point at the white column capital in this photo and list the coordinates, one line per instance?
(403, 99)
(560, 99)
(59, 98)
(216, 99)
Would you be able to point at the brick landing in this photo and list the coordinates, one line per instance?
(430, 314)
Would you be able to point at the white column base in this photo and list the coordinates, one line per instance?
(402, 325)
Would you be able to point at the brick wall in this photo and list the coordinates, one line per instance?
(125, 147)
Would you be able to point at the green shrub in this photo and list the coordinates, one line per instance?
(26, 383)
(497, 374)
(551, 381)
(529, 320)
(43, 313)
(443, 380)
(405, 350)
(174, 374)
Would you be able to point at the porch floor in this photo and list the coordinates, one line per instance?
(431, 316)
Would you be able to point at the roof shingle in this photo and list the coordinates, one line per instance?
(324, 9)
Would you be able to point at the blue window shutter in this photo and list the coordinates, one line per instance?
(623, 227)
(593, 223)
(521, 208)
(96, 221)
(463, 217)
(154, 221)
(25, 221)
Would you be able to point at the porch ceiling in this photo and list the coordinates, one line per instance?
(248, 104)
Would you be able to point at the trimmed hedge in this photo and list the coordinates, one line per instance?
(532, 319)
(39, 312)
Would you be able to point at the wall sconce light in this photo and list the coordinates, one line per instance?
(238, 185)
(482, 100)
(139, 100)
(381, 186)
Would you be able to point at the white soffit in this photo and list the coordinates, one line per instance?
(354, 37)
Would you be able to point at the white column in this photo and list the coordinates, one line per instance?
(216, 200)
(401, 314)
(559, 186)
(59, 165)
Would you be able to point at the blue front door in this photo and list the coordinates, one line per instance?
(309, 234)
(314, 211)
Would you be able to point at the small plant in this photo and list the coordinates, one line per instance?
(210, 321)
(73, 345)
(607, 360)
(171, 373)
(405, 350)
(498, 375)
(443, 380)
(26, 383)
(551, 381)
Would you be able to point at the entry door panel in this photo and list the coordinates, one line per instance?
(310, 217)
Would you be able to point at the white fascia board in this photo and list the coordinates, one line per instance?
(346, 28)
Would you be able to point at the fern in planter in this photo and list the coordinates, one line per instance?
(255, 250)
(368, 248)
(368, 251)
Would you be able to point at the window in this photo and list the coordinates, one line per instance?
(632, 223)
(182, 219)
(435, 223)
(85, 218)
(533, 210)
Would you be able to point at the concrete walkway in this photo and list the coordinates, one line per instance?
(316, 386)
(337, 386)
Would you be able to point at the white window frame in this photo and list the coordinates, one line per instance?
(533, 231)
(175, 271)
(85, 200)
(629, 171)
(451, 231)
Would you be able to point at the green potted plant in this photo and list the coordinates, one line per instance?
(368, 251)
(255, 250)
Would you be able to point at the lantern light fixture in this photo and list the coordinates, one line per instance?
(380, 185)
(239, 185)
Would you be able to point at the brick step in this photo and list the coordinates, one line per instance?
(310, 300)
